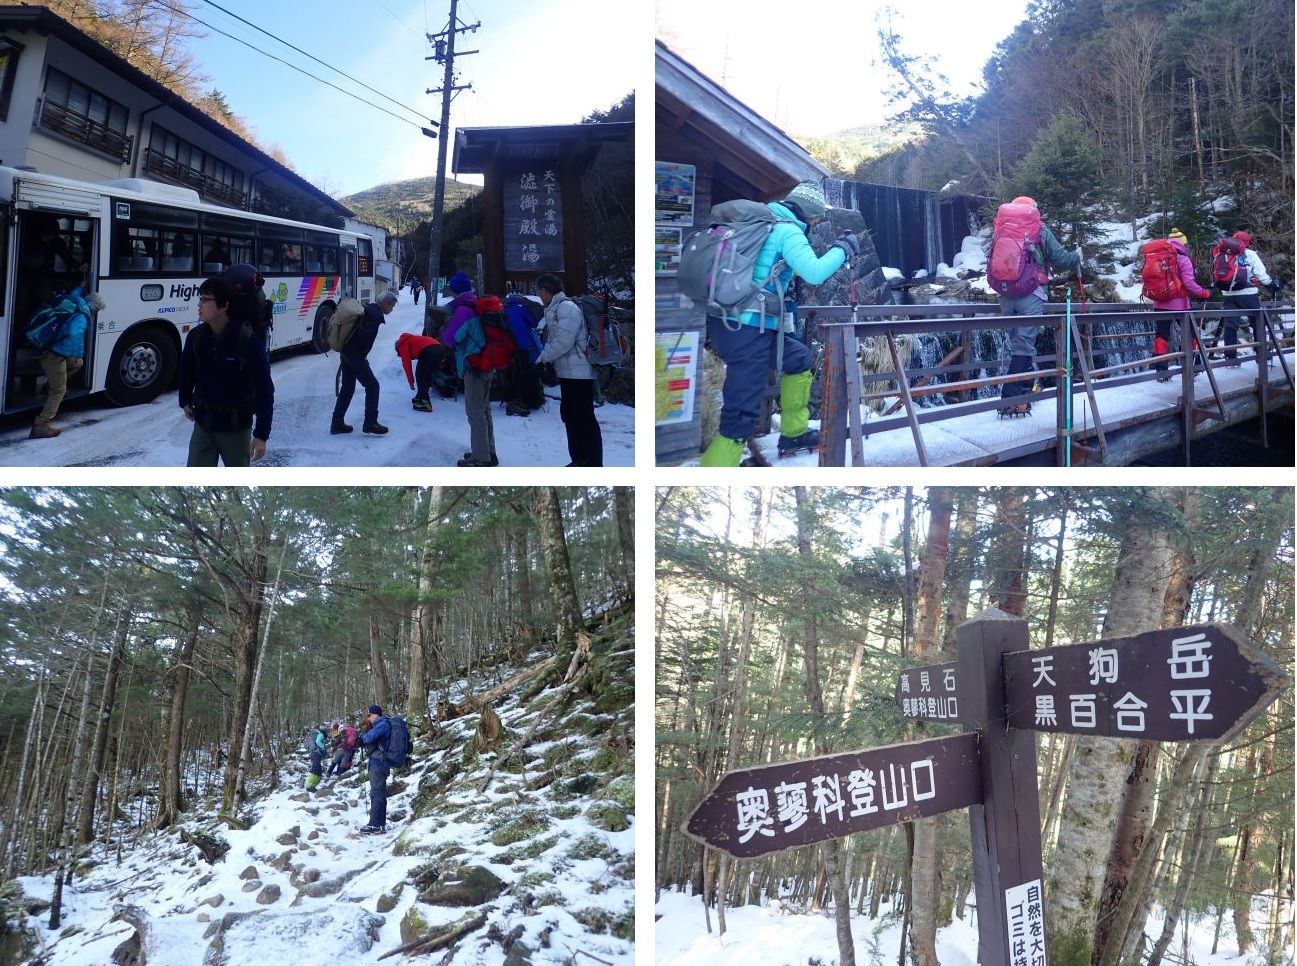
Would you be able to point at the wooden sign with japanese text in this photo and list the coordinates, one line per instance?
(1196, 683)
(755, 811)
(929, 693)
(533, 220)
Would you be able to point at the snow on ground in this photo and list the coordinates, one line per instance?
(776, 935)
(95, 433)
(555, 826)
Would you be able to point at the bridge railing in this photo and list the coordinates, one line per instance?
(841, 329)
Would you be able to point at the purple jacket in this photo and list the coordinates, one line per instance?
(462, 308)
(1191, 285)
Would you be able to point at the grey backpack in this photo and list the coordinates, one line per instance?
(717, 264)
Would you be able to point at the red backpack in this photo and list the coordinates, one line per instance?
(1226, 271)
(349, 738)
(1161, 271)
(1011, 270)
(499, 349)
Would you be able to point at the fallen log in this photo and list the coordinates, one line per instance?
(427, 943)
(471, 705)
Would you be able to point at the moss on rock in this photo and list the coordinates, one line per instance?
(607, 816)
(525, 826)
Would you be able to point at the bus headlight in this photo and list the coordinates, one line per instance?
(150, 293)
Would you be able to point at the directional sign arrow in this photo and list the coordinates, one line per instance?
(769, 808)
(1196, 683)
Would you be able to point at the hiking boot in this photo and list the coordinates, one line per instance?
(469, 461)
(516, 409)
(1163, 374)
(422, 405)
(372, 829)
(43, 431)
(374, 428)
(791, 445)
(337, 428)
(1015, 410)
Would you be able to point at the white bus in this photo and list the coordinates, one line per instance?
(147, 247)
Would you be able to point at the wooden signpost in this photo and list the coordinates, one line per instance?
(1200, 683)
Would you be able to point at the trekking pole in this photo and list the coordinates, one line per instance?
(1080, 259)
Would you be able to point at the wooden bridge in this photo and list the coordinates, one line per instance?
(1095, 419)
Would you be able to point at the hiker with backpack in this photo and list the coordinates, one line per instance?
(1169, 282)
(462, 307)
(1023, 250)
(388, 743)
(524, 390)
(225, 385)
(424, 359)
(748, 336)
(415, 287)
(59, 331)
(347, 740)
(483, 346)
(565, 342)
(1239, 273)
(318, 754)
(355, 367)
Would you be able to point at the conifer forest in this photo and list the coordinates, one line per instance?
(166, 650)
(783, 618)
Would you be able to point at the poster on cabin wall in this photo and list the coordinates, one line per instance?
(673, 193)
(667, 243)
(533, 220)
(676, 372)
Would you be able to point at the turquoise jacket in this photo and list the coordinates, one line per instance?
(469, 340)
(788, 242)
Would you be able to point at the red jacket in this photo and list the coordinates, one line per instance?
(408, 347)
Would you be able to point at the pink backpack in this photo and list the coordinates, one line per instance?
(1010, 270)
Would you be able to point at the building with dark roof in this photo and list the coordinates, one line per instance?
(70, 106)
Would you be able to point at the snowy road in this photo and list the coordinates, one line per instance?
(95, 433)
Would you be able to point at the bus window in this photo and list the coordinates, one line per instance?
(321, 260)
(290, 258)
(267, 256)
(178, 251)
(135, 248)
(222, 251)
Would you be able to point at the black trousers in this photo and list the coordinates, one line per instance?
(353, 371)
(429, 361)
(576, 408)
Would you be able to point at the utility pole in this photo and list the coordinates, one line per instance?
(444, 53)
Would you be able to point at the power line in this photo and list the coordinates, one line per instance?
(266, 53)
(322, 63)
(393, 16)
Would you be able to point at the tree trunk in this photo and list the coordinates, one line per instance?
(553, 543)
(424, 629)
(815, 698)
(1136, 808)
(1099, 765)
(1009, 584)
(622, 499)
(959, 571)
(248, 621)
(86, 814)
(173, 802)
(378, 665)
(923, 874)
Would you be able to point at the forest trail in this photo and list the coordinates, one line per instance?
(539, 867)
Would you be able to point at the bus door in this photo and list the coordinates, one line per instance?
(54, 250)
(348, 272)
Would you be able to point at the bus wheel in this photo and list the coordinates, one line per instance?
(320, 331)
(142, 366)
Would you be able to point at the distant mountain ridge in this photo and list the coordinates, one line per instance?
(844, 151)
(398, 205)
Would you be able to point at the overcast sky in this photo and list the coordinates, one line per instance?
(549, 62)
(812, 67)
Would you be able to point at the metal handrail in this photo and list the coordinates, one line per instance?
(843, 326)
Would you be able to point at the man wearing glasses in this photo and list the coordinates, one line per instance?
(225, 387)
